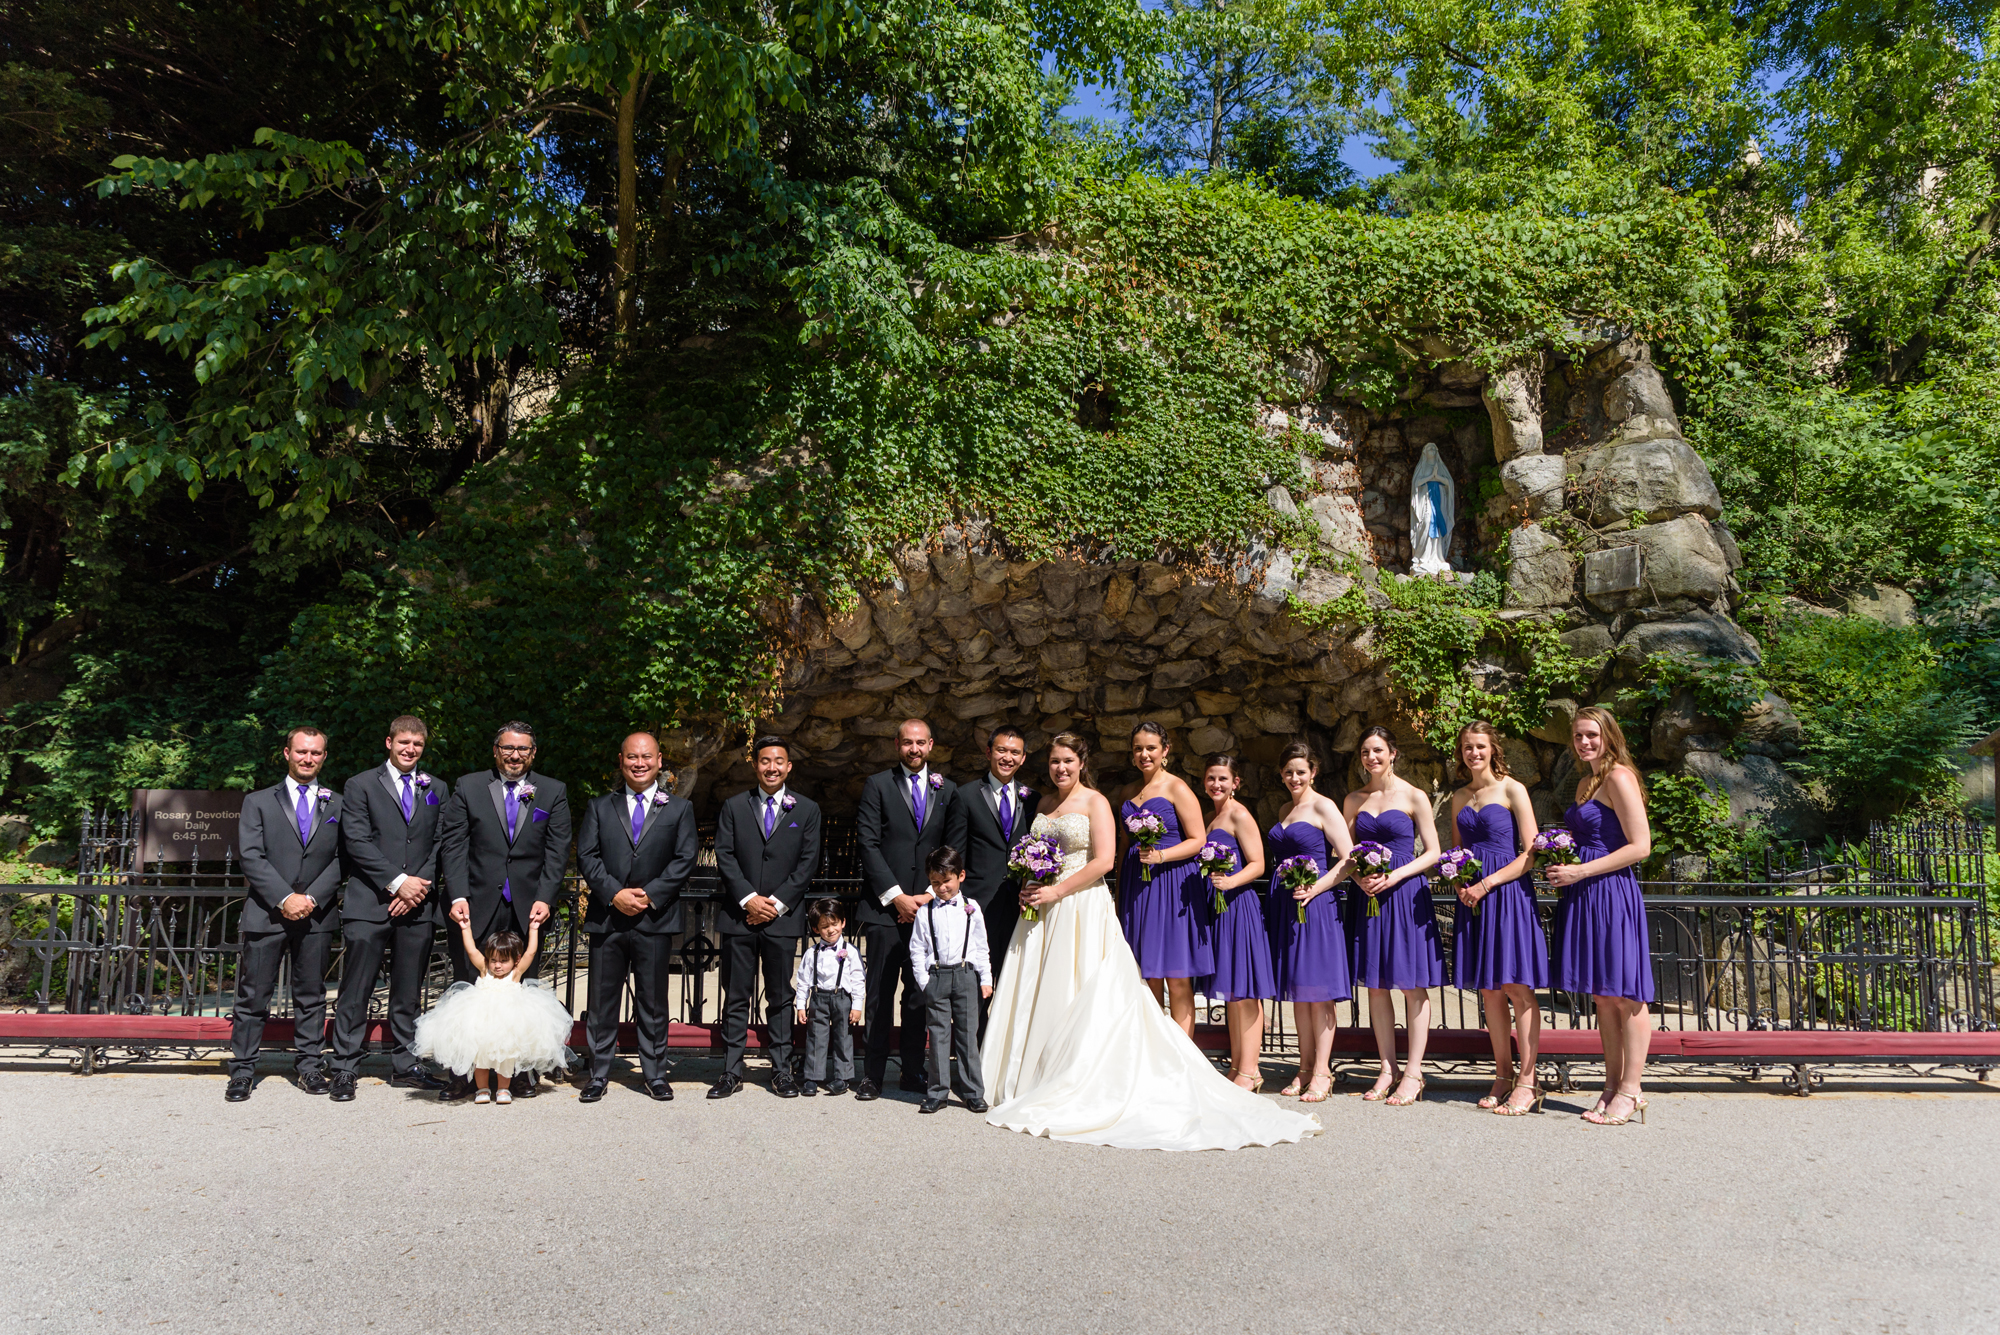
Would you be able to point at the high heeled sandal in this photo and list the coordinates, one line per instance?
(1377, 1093)
(1291, 1091)
(1393, 1102)
(1493, 1096)
(1256, 1084)
(1638, 1111)
(1508, 1109)
(483, 1096)
(1310, 1097)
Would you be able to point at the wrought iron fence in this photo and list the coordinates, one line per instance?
(1894, 934)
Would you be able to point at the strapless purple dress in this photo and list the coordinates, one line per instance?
(1502, 943)
(1601, 945)
(1400, 946)
(1243, 968)
(1311, 956)
(1168, 921)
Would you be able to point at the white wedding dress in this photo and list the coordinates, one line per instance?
(1077, 1049)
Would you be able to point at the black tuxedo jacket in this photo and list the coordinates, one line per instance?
(277, 864)
(987, 879)
(476, 857)
(658, 863)
(377, 845)
(893, 849)
(749, 864)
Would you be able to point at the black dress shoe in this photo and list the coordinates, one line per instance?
(931, 1106)
(592, 1092)
(866, 1091)
(420, 1078)
(835, 1086)
(342, 1089)
(724, 1087)
(785, 1087)
(526, 1085)
(239, 1088)
(809, 1089)
(976, 1105)
(314, 1081)
(660, 1090)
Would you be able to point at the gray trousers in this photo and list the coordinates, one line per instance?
(408, 946)
(951, 1018)
(828, 1037)
(257, 979)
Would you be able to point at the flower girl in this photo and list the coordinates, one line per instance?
(499, 1024)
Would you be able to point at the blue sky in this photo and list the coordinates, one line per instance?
(1096, 103)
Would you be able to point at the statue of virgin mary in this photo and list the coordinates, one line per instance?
(1433, 506)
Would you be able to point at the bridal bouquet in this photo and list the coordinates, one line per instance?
(1147, 831)
(1296, 873)
(1037, 858)
(1555, 846)
(1217, 860)
(1373, 859)
(1457, 867)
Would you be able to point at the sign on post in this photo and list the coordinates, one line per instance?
(186, 824)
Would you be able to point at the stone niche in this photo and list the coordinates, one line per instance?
(967, 639)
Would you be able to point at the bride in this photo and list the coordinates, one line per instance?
(1077, 1048)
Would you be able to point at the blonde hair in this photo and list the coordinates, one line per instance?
(1498, 764)
(1073, 741)
(1616, 753)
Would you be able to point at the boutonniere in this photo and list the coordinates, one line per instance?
(423, 779)
(322, 795)
(526, 792)
(1027, 793)
(788, 803)
(937, 781)
(968, 905)
(660, 799)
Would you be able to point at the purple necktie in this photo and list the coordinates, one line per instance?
(770, 814)
(638, 816)
(917, 797)
(305, 814)
(1006, 813)
(409, 800)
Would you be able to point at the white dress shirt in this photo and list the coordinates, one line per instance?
(822, 967)
(312, 789)
(758, 805)
(416, 800)
(888, 896)
(960, 939)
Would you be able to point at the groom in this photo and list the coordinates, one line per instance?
(905, 813)
(994, 814)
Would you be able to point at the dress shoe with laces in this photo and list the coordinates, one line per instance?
(835, 1086)
(976, 1105)
(592, 1092)
(314, 1081)
(785, 1087)
(239, 1088)
(660, 1090)
(931, 1106)
(866, 1091)
(809, 1089)
(726, 1086)
(419, 1078)
(342, 1088)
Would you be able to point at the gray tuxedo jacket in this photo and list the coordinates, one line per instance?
(277, 863)
(482, 866)
(659, 863)
(781, 866)
(378, 845)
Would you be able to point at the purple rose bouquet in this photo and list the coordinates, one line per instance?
(1217, 860)
(1037, 858)
(1373, 859)
(1295, 874)
(1147, 830)
(1457, 867)
(1556, 846)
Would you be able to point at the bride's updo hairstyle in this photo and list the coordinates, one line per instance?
(1073, 741)
(1298, 751)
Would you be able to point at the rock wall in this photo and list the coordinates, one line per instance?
(1574, 480)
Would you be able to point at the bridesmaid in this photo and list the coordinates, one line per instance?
(1398, 948)
(1601, 946)
(1500, 950)
(1170, 927)
(1243, 971)
(1311, 956)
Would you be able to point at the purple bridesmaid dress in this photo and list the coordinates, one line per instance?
(1399, 947)
(1243, 968)
(1502, 943)
(1311, 956)
(1601, 943)
(1167, 921)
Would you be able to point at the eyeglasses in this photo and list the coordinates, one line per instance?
(515, 750)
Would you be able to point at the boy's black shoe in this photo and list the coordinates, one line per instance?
(867, 1090)
(976, 1105)
(931, 1106)
(809, 1089)
(835, 1086)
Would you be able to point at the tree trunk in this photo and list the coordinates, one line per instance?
(626, 262)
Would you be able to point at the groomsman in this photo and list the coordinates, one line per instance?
(766, 851)
(388, 844)
(290, 841)
(635, 849)
(504, 841)
(994, 814)
(905, 812)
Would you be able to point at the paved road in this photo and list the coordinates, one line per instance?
(142, 1201)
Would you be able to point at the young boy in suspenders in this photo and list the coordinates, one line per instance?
(953, 967)
(826, 993)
